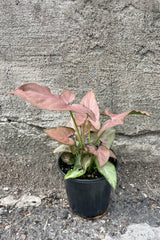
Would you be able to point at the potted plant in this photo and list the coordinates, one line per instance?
(87, 162)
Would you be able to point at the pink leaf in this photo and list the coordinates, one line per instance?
(90, 102)
(61, 134)
(70, 124)
(42, 97)
(91, 148)
(78, 108)
(117, 119)
(102, 153)
(68, 96)
(112, 155)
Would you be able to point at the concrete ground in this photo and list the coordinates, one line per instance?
(134, 212)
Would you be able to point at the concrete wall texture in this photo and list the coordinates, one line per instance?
(110, 46)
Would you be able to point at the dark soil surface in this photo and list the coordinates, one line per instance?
(93, 175)
(136, 200)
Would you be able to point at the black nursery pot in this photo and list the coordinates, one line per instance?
(89, 198)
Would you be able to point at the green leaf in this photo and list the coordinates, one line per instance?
(108, 137)
(80, 166)
(77, 171)
(74, 173)
(139, 112)
(109, 172)
(86, 161)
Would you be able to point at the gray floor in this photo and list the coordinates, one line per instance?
(134, 211)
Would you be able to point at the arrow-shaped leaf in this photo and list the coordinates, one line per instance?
(89, 101)
(117, 119)
(61, 134)
(42, 97)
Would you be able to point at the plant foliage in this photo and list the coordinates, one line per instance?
(85, 143)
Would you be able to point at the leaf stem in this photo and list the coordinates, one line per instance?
(98, 138)
(75, 124)
(89, 132)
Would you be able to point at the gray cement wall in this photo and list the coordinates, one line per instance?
(110, 46)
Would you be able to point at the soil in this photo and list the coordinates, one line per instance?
(88, 175)
(136, 200)
(95, 174)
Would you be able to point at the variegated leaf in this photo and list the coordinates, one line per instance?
(62, 148)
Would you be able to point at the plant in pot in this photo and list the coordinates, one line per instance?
(87, 162)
